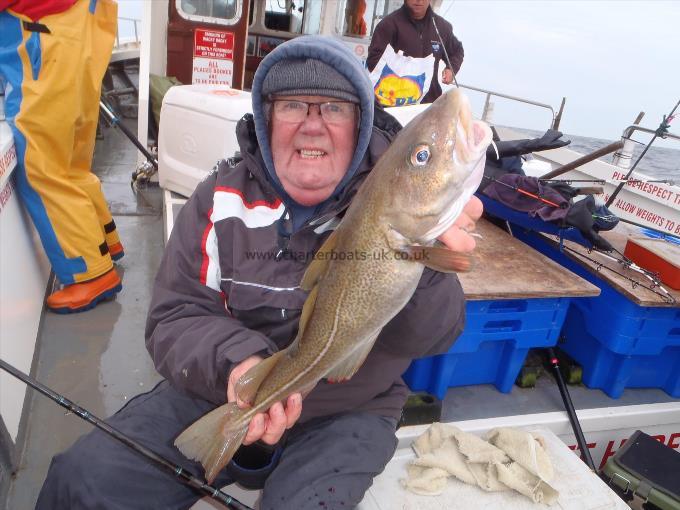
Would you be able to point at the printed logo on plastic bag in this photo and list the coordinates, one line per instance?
(394, 90)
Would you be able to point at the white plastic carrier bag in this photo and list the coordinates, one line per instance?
(399, 80)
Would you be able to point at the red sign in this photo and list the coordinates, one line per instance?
(213, 44)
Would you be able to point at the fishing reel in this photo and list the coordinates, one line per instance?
(143, 174)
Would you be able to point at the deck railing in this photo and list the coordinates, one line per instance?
(624, 156)
(135, 23)
(554, 122)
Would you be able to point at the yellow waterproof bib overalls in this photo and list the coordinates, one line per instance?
(52, 72)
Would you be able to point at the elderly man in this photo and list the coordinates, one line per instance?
(218, 310)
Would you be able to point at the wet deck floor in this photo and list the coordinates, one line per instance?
(97, 358)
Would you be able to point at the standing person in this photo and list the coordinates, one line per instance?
(217, 310)
(411, 28)
(53, 55)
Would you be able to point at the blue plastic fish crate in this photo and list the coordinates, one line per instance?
(492, 349)
(618, 343)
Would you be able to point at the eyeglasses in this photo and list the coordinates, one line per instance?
(332, 112)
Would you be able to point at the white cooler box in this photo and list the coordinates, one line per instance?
(198, 128)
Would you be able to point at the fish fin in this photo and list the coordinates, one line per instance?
(349, 366)
(211, 440)
(440, 258)
(250, 382)
(317, 268)
(306, 314)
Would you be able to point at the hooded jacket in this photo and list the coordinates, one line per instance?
(227, 287)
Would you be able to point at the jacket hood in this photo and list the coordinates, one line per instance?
(338, 56)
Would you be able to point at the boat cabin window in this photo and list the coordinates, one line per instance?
(293, 16)
(221, 11)
(361, 16)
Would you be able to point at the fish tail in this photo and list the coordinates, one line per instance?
(213, 439)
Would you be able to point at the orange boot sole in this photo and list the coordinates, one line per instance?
(80, 297)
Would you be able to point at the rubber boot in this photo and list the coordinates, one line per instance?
(116, 251)
(79, 297)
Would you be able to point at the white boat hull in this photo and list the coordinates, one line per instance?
(24, 271)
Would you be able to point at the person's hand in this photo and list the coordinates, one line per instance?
(269, 426)
(457, 237)
(447, 76)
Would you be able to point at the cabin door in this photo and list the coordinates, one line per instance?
(207, 41)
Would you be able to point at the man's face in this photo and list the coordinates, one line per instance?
(418, 8)
(311, 156)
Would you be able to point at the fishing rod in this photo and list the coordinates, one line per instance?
(662, 129)
(664, 234)
(571, 412)
(627, 264)
(446, 53)
(553, 204)
(604, 181)
(527, 193)
(116, 122)
(183, 475)
(146, 169)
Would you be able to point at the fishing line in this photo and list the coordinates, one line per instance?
(661, 131)
(495, 148)
(180, 473)
(446, 53)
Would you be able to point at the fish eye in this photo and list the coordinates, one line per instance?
(420, 155)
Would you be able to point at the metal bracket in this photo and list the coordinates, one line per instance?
(616, 475)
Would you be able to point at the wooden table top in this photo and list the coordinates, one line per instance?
(506, 268)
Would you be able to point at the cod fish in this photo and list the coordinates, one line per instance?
(415, 192)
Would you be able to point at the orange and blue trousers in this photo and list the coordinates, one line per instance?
(51, 72)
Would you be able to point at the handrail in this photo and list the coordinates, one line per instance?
(490, 93)
(135, 21)
(623, 157)
(634, 127)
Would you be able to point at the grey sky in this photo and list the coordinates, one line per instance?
(611, 59)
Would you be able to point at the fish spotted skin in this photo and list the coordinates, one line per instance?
(415, 193)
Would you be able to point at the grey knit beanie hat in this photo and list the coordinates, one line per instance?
(307, 77)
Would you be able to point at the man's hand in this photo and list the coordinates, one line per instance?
(447, 76)
(269, 426)
(457, 237)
